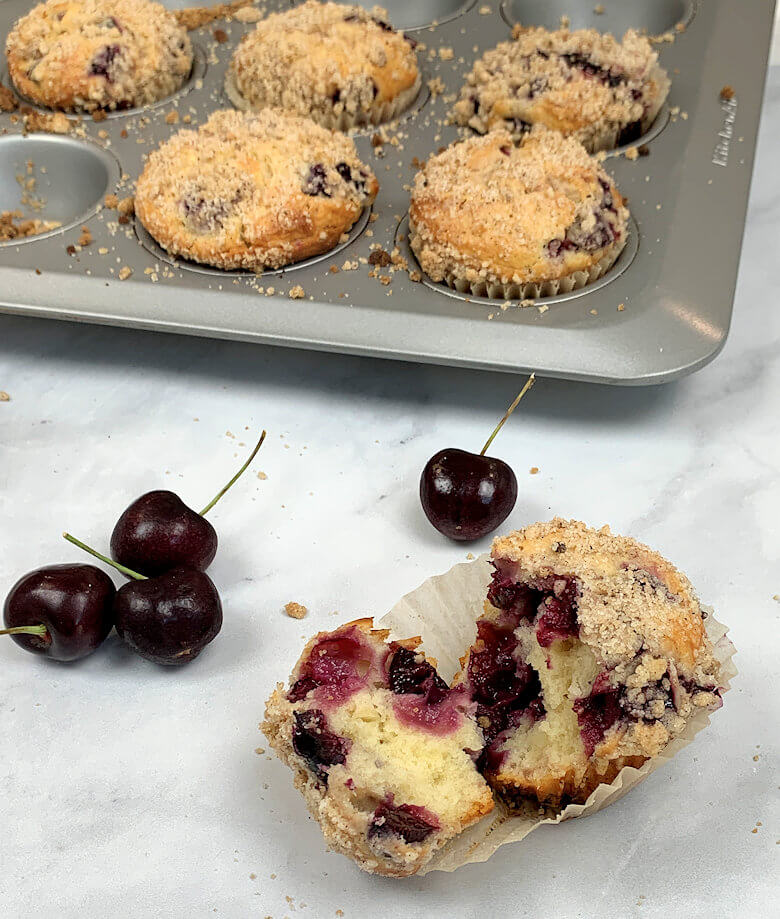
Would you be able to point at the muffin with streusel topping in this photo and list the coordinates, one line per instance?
(585, 84)
(591, 655)
(339, 65)
(381, 748)
(497, 219)
(253, 191)
(98, 54)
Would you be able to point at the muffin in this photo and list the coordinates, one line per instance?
(495, 219)
(591, 655)
(253, 190)
(584, 84)
(98, 54)
(339, 65)
(381, 749)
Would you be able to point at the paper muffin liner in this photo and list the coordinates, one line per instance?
(496, 290)
(443, 612)
(378, 113)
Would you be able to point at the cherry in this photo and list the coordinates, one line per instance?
(467, 495)
(61, 611)
(158, 532)
(167, 619)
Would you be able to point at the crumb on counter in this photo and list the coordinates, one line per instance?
(295, 610)
(534, 470)
(4, 397)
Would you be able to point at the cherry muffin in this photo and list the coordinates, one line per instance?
(382, 750)
(585, 84)
(496, 219)
(591, 655)
(253, 190)
(339, 65)
(98, 54)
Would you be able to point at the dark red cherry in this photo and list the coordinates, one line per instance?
(467, 495)
(159, 532)
(169, 619)
(61, 611)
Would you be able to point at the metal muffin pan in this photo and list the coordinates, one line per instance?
(674, 284)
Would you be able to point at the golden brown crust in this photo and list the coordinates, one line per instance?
(339, 65)
(253, 191)
(98, 54)
(585, 84)
(487, 211)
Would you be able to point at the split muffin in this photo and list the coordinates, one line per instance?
(496, 219)
(339, 65)
(98, 54)
(591, 655)
(253, 191)
(381, 748)
(585, 84)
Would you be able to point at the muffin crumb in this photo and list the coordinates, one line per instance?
(295, 610)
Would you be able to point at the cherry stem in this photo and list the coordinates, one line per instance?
(25, 630)
(509, 411)
(103, 558)
(235, 478)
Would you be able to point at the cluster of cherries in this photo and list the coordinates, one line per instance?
(167, 612)
(468, 495)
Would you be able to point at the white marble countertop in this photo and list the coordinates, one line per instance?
(131, 791)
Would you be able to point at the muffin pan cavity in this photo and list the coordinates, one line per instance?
(655, 17)
(661, 311)
(53, 178)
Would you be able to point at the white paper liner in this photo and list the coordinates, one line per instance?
(379, 113)
(443, 611)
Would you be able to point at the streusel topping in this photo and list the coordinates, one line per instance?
(253, 190)
(324, 57)
(98, 54)
(539, 210)
(583, 83)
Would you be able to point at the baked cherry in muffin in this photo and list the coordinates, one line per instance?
(584, 84)
(591, 655)
(98, 54)
(382, 749)
(498, 219)
(253, 190)
(339, 65)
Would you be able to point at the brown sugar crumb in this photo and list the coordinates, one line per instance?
(14, 225)
(86, 237)
(643, 150)
(632, 153)
(123, 133)
(51, 123)
(172, 118)
(379, 257)
(297, 292)
(8, 101)
(198, 16)
(124, 273)
(221, 36)
(534, 470)
(727, 93)
(377, 140)
(126, 207)
(334, 269)
(621, 307)
(111, 201)
(4, 397)
(99, 115)
(295, 610)
(71, 250)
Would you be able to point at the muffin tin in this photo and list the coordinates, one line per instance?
(661, 312)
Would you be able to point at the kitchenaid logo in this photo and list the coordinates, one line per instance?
(720, 155)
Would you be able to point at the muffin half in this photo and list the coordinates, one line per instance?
(382, 750)
(253, 191)
(498, 220)
(339, 65)
(585, 84)
(591, 655)
(98, 54)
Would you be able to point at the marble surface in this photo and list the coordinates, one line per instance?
(133, 791)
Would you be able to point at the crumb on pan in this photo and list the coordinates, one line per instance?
(14, 225)
(727, 93)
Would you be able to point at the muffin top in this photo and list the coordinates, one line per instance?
(530, 212)
(583, 83)
(98, 54)
(323, 58)
(248, 191)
